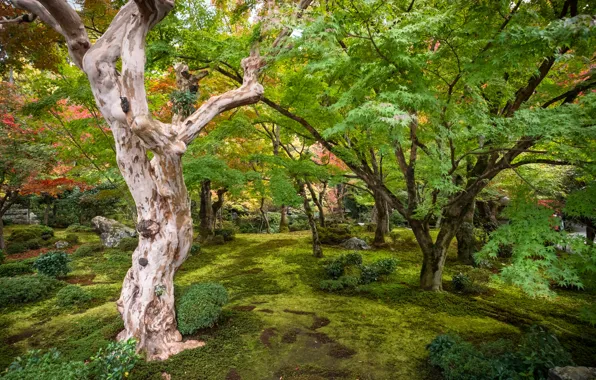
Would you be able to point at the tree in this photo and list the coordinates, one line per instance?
(157, 184)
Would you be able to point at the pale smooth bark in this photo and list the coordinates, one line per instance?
(157, 185)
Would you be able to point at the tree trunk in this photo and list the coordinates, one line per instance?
(382, 219)
(46, 215)
(590, 232)
(466, 242)
(340, 190)
(206, 211)
(317, 250)
(264, 216)
(318, 203)
(217, 205)
(2, 244)
(284, 226)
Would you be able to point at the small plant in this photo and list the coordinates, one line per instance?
(195, 248)
(128, 244)
(353, 258)
(88, 249)
(48, 366)
(369, 273)
(228, 234)
(22, 289)
(72, 239)
(15, 248)
(53, 264)
(386, 266)
(394, 235)
(461, 282)
(72, 295)
(15, 269)
(335, 268)
(344, 282)
(115, 361)
(200, 307)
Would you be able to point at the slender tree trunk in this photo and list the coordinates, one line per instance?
(264, 218)
(317, 250)
(284, 226)
(318, 203)
(2, 244)
(382, 219)
(217, 205)
(590, 232)
(206, 211)
(46, 215)
(466, 242)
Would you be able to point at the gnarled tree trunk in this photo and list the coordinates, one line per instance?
(206, 211)
(466, 242)
(317, 250)
(284, 226)
(381, 219)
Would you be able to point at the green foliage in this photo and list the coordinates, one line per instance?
(369, 273)
(76, 227)
(49, 366)
(200, 307)
(343, 282)
(183, 102)
(34, 244)
(2, 256)
(86, 250)
(15, 269)
(22, 289)
(347, 271)
(195, 248)
(461, 282)
(386, 266)
(15, 248)
(538, 351)
(335, 269)
(334, 235)
(53, 264)
(128, 244)
(537, 258)
(228, 234)
(72, 239)
(72, 295)
(115, 361)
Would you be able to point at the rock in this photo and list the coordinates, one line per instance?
(111, 231)
(61, 244)
(355, 244)
(19, 215)
(572, 373)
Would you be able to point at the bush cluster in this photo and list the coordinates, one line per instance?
(72, 239)
(348, 271)
(334, 235)
(53, 264)
(538, 351)
(88, 249)
(228, 233)
(200, 307)
(471, 280)
(27, 238)
(15, 269)
(72, 295)
(128, 244)
(76, 227)
(22, 289)
(115, 361)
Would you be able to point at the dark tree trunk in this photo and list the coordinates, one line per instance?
(284, 226)
(318, 203)
(382, 219)
(340, 191)
(466, 242)
(264, 216)
(217, 205)
(590, 232)
(2, 244)
(46, 215)
(317, 250)
(206, 211)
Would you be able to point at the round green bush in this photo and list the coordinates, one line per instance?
(72, 295)
(88, 249)
(72, 239)
(195, 248)
(52, 264)
(15, 248)
(14, 269)
(33, 244)
(128, 244)
(200, 307)
(32, 232)
(16, 290)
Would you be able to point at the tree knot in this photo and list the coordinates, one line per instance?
(148, 228)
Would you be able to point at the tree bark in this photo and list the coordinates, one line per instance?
(466, 242)
(2, 243)
(46, 215)
(217, 205)
(206, 211)
(318, 203)
(264, 216)
(284, 226)
(590, 232)
(382, 219)
(317, 250)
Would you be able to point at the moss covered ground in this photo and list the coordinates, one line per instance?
(278, 323)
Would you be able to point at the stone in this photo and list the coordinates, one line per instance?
(143, 262)
(572, 373)
(355, 244)
(111, 231)
(61, 244)
(16, 214)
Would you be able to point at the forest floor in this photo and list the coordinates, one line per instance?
(278, 323)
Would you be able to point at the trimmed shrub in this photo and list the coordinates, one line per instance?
(200, 307)
(14, 269)
(386, 266)
(15, 248)
(49, 366)
(334, 235)
(461, 282)
(88, 249)
(217, 240)
(353, 258)
(344, 282)
(128, 244)
(195, 248)
(31, 232)
(114, 361)
(53, 264)
(16, 290)
(72, 239)
(78, 228)
(228, 234)
(72, 295)
(369, 273)
(335, 269)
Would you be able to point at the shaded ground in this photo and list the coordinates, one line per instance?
(280, 325)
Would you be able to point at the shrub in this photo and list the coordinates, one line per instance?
(538, 351)
(15, 248)
(369, 273)
(128, 244)
(72, 295)
(14, 269)
(16, 290)
(21, 236)
(53, 264)
(88, 249)
(115, 361)
(72, 239)
(200, 307)
(344, 282)
(334, 235)
(386, 266)
(195, 248)
(2, 256)
(78, 228)
(394, 235)
(353, 258)
(335, 268)
(49, 366)
(461, 282)
(228, 234)
(217, 240)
